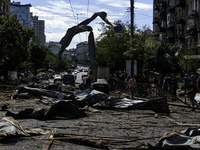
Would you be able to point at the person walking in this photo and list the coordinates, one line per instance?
(193, 78)
(166, 82)
(88, 82)
(198, 83)
(132, 85)
(186, 82)
(191, 94)
(174, 85)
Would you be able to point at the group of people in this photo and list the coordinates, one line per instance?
(192, 86)
(169, 83)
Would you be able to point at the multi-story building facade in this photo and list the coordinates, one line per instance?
(5, 8)
(178, 22)
(82, 51)
(39, 27)
(22, 11)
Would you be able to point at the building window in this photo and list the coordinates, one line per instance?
(196, 5)
(198, 39)
(191, 6)
(187, 9)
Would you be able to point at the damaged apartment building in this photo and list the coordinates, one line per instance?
(178, 22)
(4, 8)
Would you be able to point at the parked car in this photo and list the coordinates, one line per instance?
(102, 86)
(69, 79)
(57, 78)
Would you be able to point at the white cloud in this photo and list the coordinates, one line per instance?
(55, 36)
(142, 6)
(123, 3)
(59, 16)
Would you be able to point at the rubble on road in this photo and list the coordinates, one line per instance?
(187, 139)
(10, 127)
(93, 120)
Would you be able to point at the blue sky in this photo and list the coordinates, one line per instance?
(59, 15)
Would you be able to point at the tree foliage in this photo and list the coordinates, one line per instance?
(14, 40)
(142, 48)
(52, 59)
(38, 55)
(151, 54)
(110, 49)
(165, 60)
(187, 60)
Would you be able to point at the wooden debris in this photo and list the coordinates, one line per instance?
(172, 96)
(82, 140)
(48, 143)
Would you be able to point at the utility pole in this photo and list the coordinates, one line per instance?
(132, 18)
(132, 36)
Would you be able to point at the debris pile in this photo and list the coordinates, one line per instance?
(91, 118)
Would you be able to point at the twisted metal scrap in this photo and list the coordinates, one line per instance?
(82, 27)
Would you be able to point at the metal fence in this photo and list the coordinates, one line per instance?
(146, 90)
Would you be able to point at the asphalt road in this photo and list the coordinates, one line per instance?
(100, 129)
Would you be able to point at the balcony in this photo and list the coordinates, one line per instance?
(180, 20)
(192, 13)
(2, 12)
(162, 29)
(170, 25)
(180, 36)
(156, 7)
(163, 4)
(171, 9)
(180, 3)
(162, 14)
(191, 27)
(155, 20)
(191, 30)
(192, 33)
(170, 38)
(162, 37)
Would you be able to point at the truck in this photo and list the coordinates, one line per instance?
(103, 72)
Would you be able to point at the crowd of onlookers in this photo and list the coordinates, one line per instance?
(169, 82)
(190, 84)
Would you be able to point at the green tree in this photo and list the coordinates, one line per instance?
(24, 67)
(52, 59)
(110, 49)
(165, 60)
(14, 40)
(186, 59)
(38, 56)
(142, 49)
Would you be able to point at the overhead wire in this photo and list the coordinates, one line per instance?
(123, 16)
(127, 18)
(76, 19)
(88, 7)
(144, 14)
(87, 14)
(72, 10)
(79, 33)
